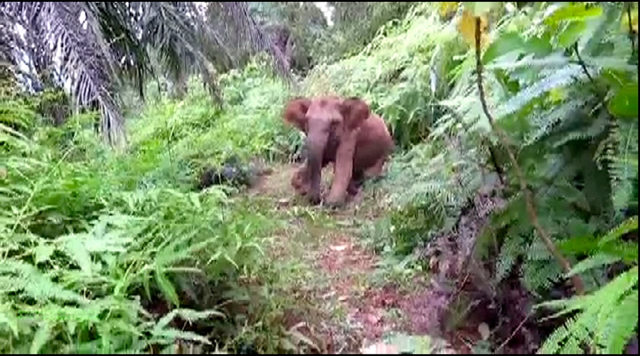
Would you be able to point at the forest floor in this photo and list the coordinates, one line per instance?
(338, 299)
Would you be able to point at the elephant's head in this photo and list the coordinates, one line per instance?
(331, 124)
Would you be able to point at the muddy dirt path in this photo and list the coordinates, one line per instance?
(348, 304)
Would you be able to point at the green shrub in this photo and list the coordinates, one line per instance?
(100, 251)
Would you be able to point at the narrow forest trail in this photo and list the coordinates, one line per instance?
(338, 301)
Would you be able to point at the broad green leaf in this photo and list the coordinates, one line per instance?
(507, 42)
(614, 63)
(597, 29)
(573, 12)
(539, 46)
(624, 103)
(616, 79)
(571, 33)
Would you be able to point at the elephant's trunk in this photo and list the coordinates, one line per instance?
(316, 144)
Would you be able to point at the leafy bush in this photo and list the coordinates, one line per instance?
(108, 252)
(401, 74)
(561, 83)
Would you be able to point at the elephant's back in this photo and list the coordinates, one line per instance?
(374, 142)
(374, 131)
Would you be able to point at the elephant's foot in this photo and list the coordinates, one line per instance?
(355, 185)
(314, 200)
(354, 188)
(334, 204)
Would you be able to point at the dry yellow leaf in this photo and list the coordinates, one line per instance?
(467, 27)
(447, 7)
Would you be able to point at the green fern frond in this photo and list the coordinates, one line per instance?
(622, 325)
(556, 341)
(513, 247)
(599, 313)
(545, 122)
(558, 79)
(583, 132)
(591, 262)
(42, 335)
(28, 281)
(9, 319)
(623, 228)
(540, 274)
(623, 168)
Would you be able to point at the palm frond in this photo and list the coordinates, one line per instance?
(85, 59)
(118, 23)
(176, 31)
(235, 20)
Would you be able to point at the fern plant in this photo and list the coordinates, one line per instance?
(100, 252)
(606, 319)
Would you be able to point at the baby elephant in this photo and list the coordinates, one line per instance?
(342, 131)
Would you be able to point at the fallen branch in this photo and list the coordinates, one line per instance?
(578, 284)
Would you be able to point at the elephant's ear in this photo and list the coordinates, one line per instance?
(295, 112)
(354, 111)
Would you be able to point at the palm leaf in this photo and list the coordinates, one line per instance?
(86, 60)
(238, 25)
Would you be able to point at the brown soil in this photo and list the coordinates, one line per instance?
(335, 255)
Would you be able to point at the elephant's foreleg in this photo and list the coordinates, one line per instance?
(342, 170)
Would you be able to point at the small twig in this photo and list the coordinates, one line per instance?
(513, 333)
(582, 64)
(578, 284)
(494, 160)
(632, 37)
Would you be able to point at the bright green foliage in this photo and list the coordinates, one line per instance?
(401, 73)
(571, 118)
(92, 241)
(198, 134)
(608, 317)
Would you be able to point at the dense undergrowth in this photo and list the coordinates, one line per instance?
(563, 85)
(118, 252)
(98, 247)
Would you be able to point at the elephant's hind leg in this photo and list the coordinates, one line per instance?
(357, 180)
(377, 170)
